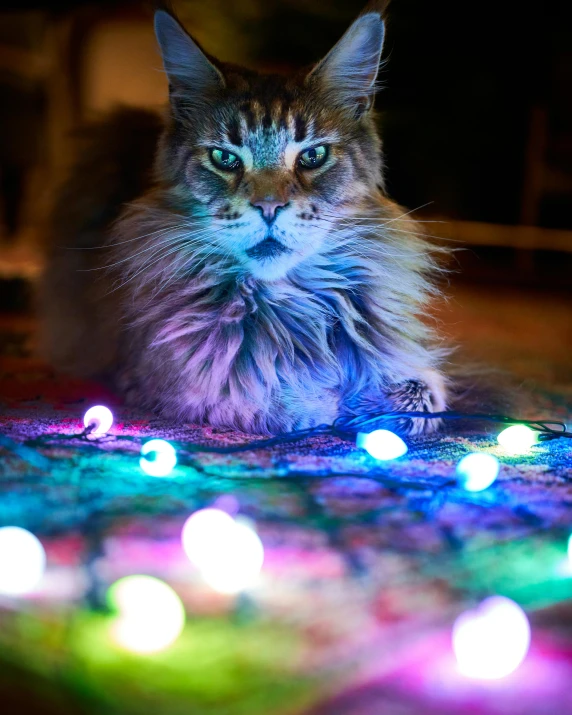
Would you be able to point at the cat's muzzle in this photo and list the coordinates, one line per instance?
(268, 248)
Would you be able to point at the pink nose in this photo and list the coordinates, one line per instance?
(269, 208)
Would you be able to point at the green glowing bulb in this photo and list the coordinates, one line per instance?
(150, 615)
(517, 439)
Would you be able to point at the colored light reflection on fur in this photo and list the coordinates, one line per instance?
(101, 417)
(227, 552)
(517, 439)
(477, 471)
(491, 641)
(158, 458)
(150, 615)
(381, 444)
(22, 561)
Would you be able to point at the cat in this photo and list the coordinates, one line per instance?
(237, 262)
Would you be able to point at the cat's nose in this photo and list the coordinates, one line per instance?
(269, 208)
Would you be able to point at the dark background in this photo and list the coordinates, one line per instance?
(476, 113)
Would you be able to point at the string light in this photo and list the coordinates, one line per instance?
(227, 552)
(99, 418)
(517, 439)
(205, 535)
(158, 458)
(491, 641)
(477, 471)
(381, 444)
(22, 561)
(150, 615)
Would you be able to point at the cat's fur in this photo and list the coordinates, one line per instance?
(172, 293)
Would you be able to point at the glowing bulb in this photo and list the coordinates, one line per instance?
(477, 471)
(150, 614)
(228, 553)
(99, 416)
(22, 561)
(206, 534)
(491, 641)
(381, 444)
(158, 458)
(517, 439)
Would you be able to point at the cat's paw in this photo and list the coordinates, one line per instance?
(427, 393)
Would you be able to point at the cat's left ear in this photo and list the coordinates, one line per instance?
(347, 74)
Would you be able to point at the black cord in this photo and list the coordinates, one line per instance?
(550, 429)
(348, 427)
(344, 427)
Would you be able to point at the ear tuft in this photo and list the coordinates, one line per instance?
(347, 74)
(189, 70)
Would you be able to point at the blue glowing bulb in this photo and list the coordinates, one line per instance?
(158, 458)
(381, 444)
(517, 439)
(477, 471)
(491, 641)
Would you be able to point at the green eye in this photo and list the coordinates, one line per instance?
(314, 157)
(225, 160)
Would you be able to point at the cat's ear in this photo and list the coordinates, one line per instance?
(347, 74)
(192, 76)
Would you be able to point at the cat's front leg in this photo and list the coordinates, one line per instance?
(425, 393)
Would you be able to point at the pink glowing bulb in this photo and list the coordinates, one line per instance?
(491, 641)
(100, 418)
(227, 552)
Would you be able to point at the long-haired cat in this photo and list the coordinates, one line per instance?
(237, 261)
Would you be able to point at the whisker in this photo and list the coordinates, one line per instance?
(188, 238)
(117, 243)
(161, 255)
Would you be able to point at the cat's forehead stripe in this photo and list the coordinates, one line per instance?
(233, 132)
(300, 128)
(247, 114)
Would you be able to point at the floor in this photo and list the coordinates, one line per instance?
(366, 565)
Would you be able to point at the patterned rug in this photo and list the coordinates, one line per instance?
(366, 564)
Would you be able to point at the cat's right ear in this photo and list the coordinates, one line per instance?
(193, 78)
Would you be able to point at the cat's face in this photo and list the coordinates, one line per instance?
(270, 163)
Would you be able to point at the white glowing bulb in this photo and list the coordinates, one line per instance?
(22, 561)
(228, 553)
(150, 614)
(99, 416)
(491, 641)
(517, 439)
(477, 471)
(381, 444)
(158, 458)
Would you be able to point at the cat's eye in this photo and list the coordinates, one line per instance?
(225, 160)
(314, 157)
